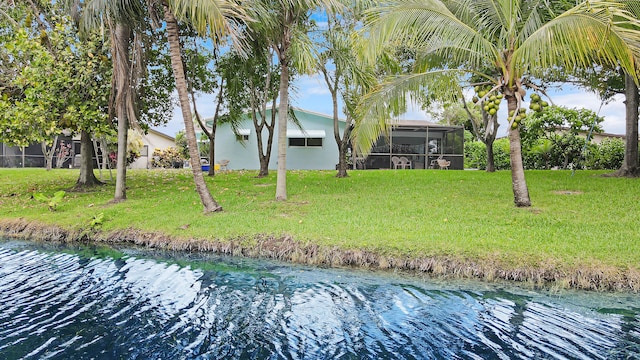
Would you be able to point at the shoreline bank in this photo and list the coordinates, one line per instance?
(285, 248)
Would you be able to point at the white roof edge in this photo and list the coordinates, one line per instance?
(297, 133)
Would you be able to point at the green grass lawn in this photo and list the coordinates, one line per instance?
(575, 221)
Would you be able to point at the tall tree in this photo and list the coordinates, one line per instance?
(630, 164)
(250, 85)
(346, 78)
(285, 24)
(521, 39)
(120, 43)
(58, 82)
(120, 19)
(221, 19)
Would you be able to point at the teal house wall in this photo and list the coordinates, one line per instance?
(311, 147)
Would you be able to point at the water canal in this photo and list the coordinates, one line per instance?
(87, 302)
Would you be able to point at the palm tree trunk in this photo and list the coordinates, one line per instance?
(630, 165)
(210, 205)
(518, 181)
(121, 68)
(281, 180)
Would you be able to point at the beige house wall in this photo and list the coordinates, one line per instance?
(152, 140)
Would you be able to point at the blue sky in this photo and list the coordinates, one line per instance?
(310, 93)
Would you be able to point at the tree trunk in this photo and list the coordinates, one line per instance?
(341, 142)
(48, 154)
(87, 177)
(281, 181)
(342, 162)
(518, 181)
(212, 152)
(121, 68)
(491, 163)
(490, 132)
(264, 154)
(630, 163)
(210, 205)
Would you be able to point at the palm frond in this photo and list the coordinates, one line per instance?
(218, 18)
(94, 12)
(303, 52)
(421, 24)
(595, 32)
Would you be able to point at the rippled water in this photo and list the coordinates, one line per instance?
(96, 303)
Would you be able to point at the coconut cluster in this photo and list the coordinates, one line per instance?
(491, 104)
(517, 120)
(537, 104)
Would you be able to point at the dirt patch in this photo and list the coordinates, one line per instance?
(568, 192)
(285, 248)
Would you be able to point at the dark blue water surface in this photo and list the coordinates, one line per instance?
(72, 302)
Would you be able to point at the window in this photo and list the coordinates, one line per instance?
(242, 135)
(305, 142)
(315, 142)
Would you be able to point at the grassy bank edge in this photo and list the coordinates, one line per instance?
(285, 248)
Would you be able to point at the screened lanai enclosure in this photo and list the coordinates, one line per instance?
(421, 143)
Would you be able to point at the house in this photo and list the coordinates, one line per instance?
(32, 156)
(152, 140)
(312, 147)
(595, 137)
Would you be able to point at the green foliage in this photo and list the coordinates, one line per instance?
(56, 82)
(96, 220)
(51, 201)
(609, 154)
(545, 154)
(556, 136)
(540, 154)
(475, 154)
(182, 145)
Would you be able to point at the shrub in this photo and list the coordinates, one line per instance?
(166, 158)
(609, 155)
(475, 154)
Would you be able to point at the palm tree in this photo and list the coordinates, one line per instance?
(222, 20)
(120, 19)
(121, 40)
(218, 17)
(284, 25)
(520, 39)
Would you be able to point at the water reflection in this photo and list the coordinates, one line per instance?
(82, 303)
